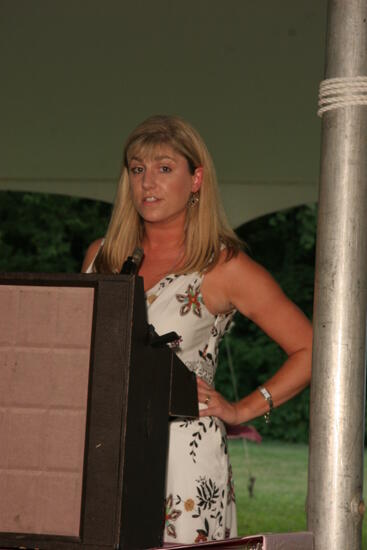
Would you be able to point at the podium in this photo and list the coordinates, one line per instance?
(85, 402)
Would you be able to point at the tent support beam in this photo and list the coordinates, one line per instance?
(335, 506)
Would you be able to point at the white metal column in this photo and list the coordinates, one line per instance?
(335, 507)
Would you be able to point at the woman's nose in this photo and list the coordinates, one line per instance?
(148, 181)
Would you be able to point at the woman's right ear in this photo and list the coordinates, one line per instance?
(197, 179)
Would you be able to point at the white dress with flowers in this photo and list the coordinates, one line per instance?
(200, 504)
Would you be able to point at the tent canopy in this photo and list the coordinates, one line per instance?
(77, 77)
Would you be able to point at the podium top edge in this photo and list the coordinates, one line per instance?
(62, 279)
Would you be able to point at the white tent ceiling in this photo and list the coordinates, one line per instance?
(77, 76)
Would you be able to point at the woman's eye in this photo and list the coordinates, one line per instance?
(166, 169)
(136, 169)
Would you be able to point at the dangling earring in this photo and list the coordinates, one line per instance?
(194, 199)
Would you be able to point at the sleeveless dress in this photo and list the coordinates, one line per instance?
(200, 502)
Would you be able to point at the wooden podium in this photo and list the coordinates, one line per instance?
(85, 402)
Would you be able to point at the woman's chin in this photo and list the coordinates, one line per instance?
(167, 218)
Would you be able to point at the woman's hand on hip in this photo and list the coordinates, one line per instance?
(216, 404)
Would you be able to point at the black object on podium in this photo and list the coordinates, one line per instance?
(133, 388)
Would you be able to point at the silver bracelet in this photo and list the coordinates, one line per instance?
(267, 395)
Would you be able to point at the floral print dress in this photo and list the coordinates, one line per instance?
(200, 503)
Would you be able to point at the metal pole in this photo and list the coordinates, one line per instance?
(335, 506)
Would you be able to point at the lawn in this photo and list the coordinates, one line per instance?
(280, 487)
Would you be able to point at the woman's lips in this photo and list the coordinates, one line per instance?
(150, 200)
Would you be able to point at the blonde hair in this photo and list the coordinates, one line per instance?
(207, 229)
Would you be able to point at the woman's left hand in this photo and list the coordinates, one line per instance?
(216, 404)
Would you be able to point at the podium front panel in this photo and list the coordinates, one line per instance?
(65, 346)
(45, 337)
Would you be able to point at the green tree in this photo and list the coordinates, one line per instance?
(48, 233)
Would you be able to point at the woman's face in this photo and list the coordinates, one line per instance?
(161, 184)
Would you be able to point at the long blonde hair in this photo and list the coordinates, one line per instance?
(207, 229)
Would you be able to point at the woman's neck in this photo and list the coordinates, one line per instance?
(160, 239)
(164, 253)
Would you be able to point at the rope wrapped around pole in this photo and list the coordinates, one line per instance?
(342, 92)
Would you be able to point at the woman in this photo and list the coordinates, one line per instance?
(195, 278)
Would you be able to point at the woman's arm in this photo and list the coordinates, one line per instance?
(245, 285)
(91, 254)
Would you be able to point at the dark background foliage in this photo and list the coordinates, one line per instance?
(50, 233)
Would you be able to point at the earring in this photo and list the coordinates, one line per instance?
(194, 199)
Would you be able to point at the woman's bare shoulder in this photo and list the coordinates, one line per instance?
(91, 253)
(237, 282)
(214, 286)
(232, 266)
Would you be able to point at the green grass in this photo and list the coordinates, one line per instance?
(279, 495)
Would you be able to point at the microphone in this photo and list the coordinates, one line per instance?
(132, 263)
